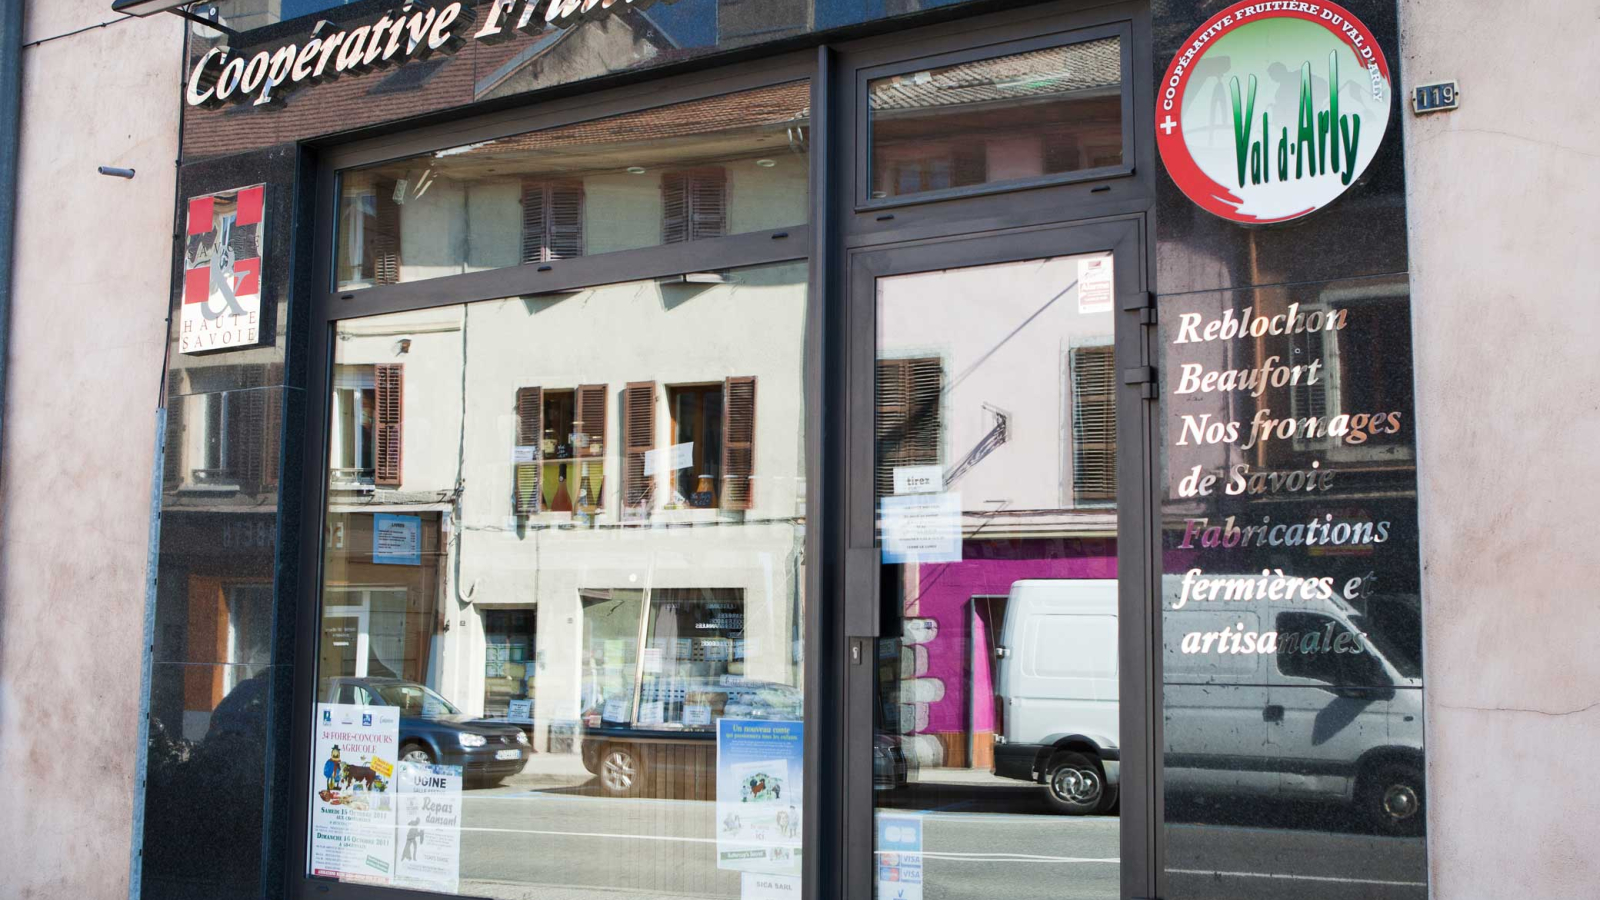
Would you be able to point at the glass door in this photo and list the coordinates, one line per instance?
(995, 609)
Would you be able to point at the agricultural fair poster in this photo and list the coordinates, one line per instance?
(352, 792)
(430, 827)
(759, 790)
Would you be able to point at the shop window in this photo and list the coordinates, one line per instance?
(508, 672)
(560, 451)
(552, 220)
(610, 653)
(687, 666)
(1094, 424)
(1021, 117)
(694, 205)
(908, 420)
(373, 633)
(715, 426)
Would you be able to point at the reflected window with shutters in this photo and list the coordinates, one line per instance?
(224, 439)
(1021, 118)
(694, 205)
(709, 168)
(1094, 425)
(908, 428)
(559, 455)
(352, 437)
(601, 629)
(552, 220)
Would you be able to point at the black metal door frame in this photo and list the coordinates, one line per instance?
(861, 240)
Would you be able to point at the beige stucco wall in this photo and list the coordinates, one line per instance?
(87, 324)
(1505, 254)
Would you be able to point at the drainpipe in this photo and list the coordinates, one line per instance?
(10, 123)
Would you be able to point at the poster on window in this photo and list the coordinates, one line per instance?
(397, 540)
(222, 271)
(759, 791)
(921, 528)
(1094, 285)
(352, 795)
(429, 830)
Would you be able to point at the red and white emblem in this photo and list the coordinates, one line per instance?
(222, 271)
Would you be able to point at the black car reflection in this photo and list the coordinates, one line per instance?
(433, 730)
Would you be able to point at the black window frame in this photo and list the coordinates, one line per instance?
(864, 202)
(838, 228)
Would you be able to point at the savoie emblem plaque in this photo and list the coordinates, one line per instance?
(1273, 109)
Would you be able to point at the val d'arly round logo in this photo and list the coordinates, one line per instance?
(1273, 109)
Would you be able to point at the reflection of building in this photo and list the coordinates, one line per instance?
(726, 165)
(666, 474)
(221, 463)
(1032, 459)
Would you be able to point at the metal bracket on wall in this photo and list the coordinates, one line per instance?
(1145, 377)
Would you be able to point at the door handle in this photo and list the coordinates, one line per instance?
(1272, 713)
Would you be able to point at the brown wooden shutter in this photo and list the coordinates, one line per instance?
(552, 220)
(694, 205)
(638, 438)
(738, 441)
(590, 419)
(908, 423)
(387, 423)
(385, 231)
(172, 458)
(1094, 423)
(530, 433)
(246, 424)
(272, 426)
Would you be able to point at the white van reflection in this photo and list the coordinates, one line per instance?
(1300, 722)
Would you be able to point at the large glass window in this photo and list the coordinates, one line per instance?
(562, 602)
(693, 171)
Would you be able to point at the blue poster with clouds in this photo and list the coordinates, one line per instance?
(759, 770)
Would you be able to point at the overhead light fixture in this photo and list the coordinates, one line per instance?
(636, 170)
(766, 163)
(142, 8)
